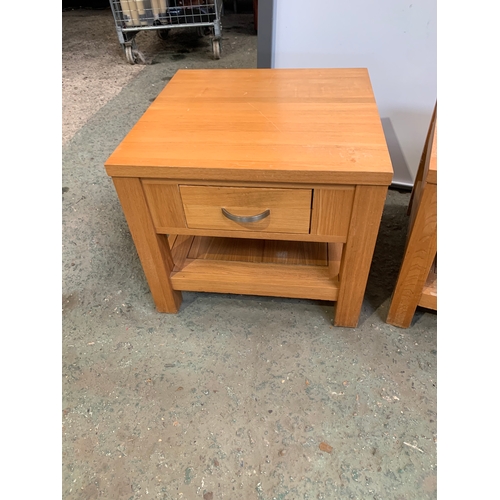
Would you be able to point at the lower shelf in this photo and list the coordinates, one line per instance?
(429, 292)
(306, 270)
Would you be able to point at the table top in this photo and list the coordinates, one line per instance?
(267, 125)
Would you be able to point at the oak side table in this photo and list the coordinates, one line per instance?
(417, 279)
(257, 181)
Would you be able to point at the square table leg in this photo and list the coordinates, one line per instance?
(419, 255)
(358, 252)
(153, 249)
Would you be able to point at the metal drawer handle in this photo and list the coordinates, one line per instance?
(250, 218)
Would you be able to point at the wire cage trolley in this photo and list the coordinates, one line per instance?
(132, 16)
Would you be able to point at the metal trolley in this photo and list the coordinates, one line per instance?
(132, 16)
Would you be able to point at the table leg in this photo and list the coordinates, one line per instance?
(418, 258)
(358, 253)
(153, 249)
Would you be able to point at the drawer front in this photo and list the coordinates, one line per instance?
(289, 209)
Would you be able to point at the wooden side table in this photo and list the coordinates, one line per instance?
(257, 181)
(417, 280)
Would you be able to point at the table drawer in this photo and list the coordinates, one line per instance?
(247, 209)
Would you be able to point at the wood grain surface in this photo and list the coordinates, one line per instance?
(291, 125)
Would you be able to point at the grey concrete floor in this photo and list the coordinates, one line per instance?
(235, 396)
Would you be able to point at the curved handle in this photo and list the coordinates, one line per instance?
(250, 218)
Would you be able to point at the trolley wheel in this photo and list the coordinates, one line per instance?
(216, 48)
(202, 31)
(129, 54)
(163, 34)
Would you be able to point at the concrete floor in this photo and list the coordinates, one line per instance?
(236, 397)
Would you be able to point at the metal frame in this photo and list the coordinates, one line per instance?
(133, 16)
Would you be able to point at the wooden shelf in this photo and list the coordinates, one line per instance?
(429, 292)
(255, 267)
